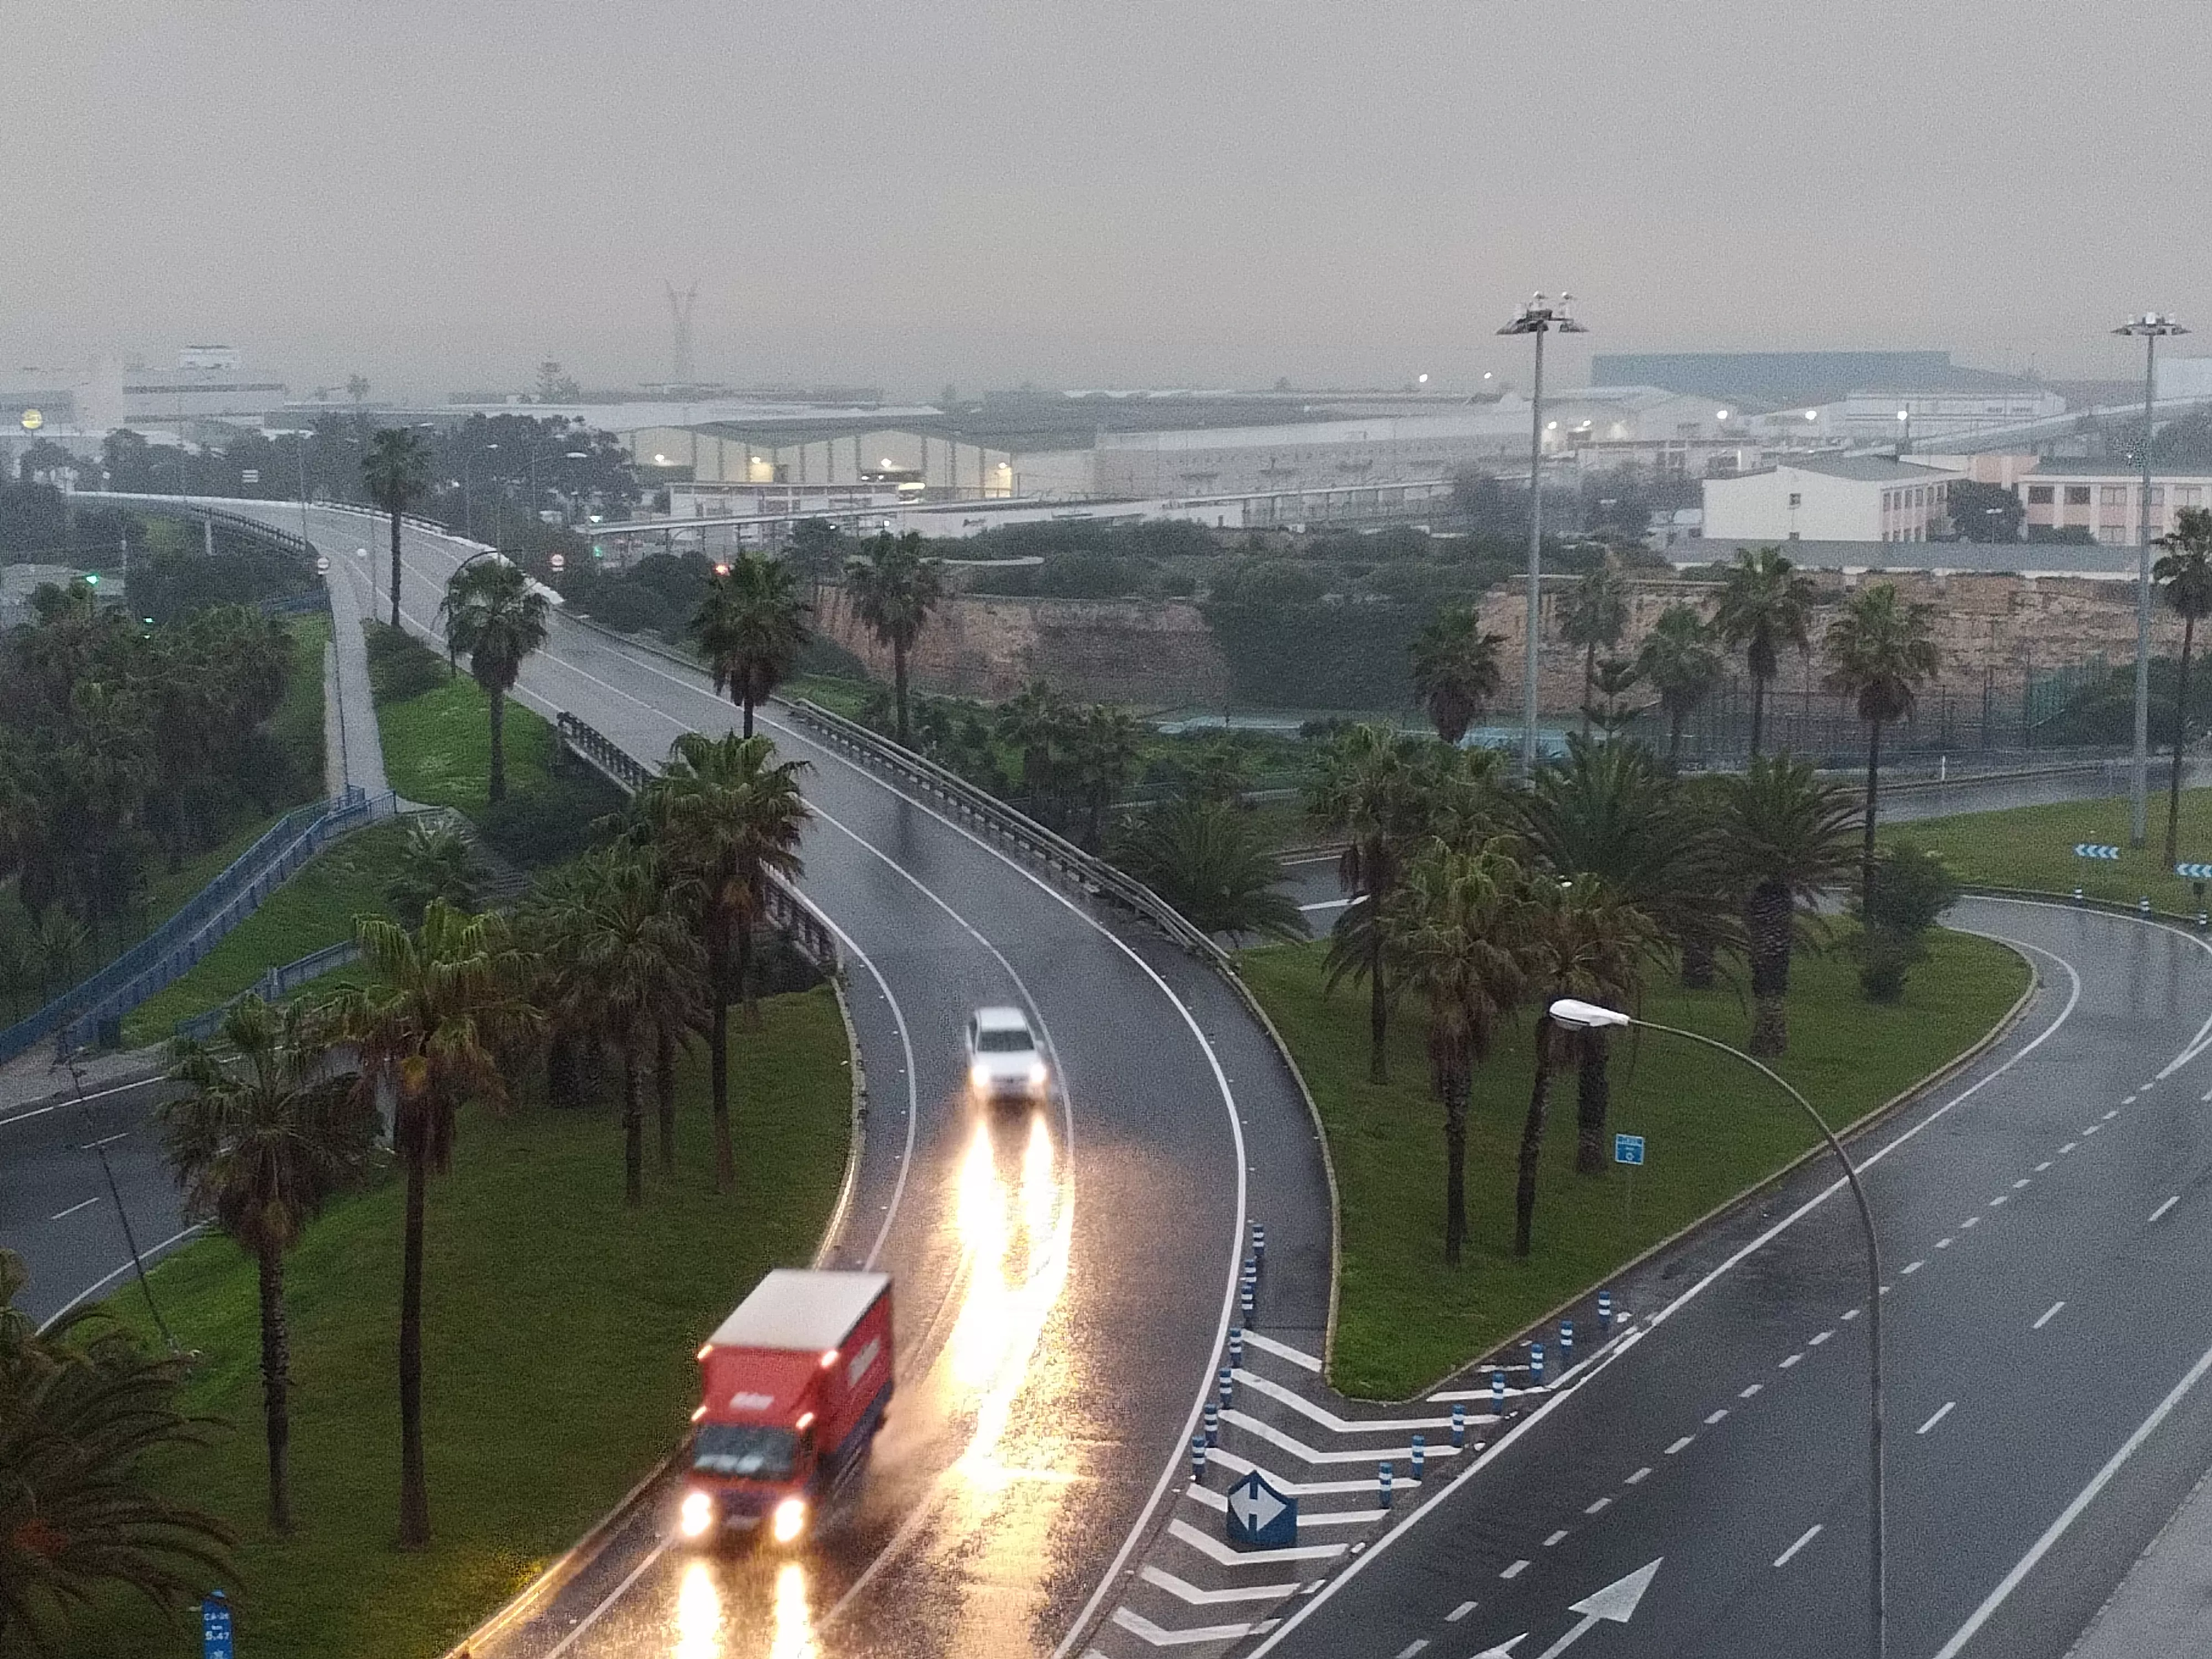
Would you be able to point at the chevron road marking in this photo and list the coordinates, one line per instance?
(1214, 1500)
(1146, 1631)
(1307, 1454)
(1283, 1351)
(1183, 1590)
(1330, 1420)
(1221, 1551)
(1230, 1460)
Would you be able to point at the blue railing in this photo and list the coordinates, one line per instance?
(276, 983)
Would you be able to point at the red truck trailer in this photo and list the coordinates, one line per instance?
(793, 1385)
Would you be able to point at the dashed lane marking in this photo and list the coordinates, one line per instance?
(1459, 1612)
(63, 1215)
(1515, 1570)
(1716, 1417)
(1792, 1360)
(2041, 1167)
(2001, 1200)
(1679, 1445)
(2021, 1184)
(1971, 1221)
(1818, 1340)
(1942, 1243)
(1941, 1412)
(1750, 1391)
(2049, 1314)
(1555, 1537)
(1783, 1559)
(1413, 1647)
(1912, 1268)
(1602, 1504)
(2071, 1145)
(2164, 1207)
(1329, 1420)
(1643, 1473)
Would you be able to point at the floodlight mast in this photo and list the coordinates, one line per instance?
(1539, 317)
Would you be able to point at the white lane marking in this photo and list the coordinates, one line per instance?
(1459, 1612)
(1849, 1314)
(1941, 1412)
(1515, 1570)
(2129, 1101)
(97, 1094)
(1750, 1391)
(1971, 1221)
(2072, 1512)
(1227, 1555)
(1641, 1474)
(1555, 1537)
(1183, 1590)
(1235, 1464)
(659, 1549)
(1714, 1417)
(1219, 1502)
(36, 1111)
(913, 1098)
(1413, 1647)
(107, 1278)
(1783, 1559)
(105, 1140)
(1679, 1445)
(1284, 1350)
(1297, 1447)
(1793, 1359)
(2000, 1201)
(2041, 1167)
(2068, 1147)
(1942, 1243)
(1159, 1637)
(2206, 1097)
(2049, 1314)
(1593, 1509)
(1329, 1420)
(2110, 1115)
(2091, 1130)
(2022, 1182)
(1325, 904)
(2164, 1207)
(63, 1215)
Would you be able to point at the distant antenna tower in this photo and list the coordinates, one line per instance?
(679, 315)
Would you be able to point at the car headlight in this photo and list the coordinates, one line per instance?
(979, 1075)
(1037, 1074)
(697, 1514)
(790, 1519)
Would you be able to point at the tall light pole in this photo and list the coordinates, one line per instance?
(2150, 326)
(1578, 1016)
(1538, 317)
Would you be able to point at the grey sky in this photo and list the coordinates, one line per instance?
(440, 192)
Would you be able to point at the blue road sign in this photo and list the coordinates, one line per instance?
(215, 1626)
(1259, 1518)
(2194, 871)
(1628, 1149)
(2096, 849)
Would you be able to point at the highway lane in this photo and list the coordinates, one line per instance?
(2045, 1219)
(1062, 1280)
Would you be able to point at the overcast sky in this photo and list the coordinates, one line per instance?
(438, 193)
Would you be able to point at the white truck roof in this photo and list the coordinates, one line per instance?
(800, 1310)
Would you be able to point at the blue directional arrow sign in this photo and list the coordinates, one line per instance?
(215, 1626)
(1628, 1149)
(2096, 849)
(1259, 1518)
(2194, 871)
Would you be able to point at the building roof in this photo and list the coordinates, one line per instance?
(800, 1310)
(1867, 469)
(1778, 378)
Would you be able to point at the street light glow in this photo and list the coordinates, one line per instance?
(1579, 1016)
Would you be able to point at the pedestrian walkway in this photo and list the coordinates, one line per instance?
(2161, 1606)
(351, 743)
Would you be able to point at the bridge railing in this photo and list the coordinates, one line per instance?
(276, 983)
(787, 908)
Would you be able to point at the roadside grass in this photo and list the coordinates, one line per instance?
(316, 908)
(437, 747)
(1714, 1128)
(2033, 847)
(559, 1329)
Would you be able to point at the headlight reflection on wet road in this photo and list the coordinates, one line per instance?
(698, 1615)
(793, 1635)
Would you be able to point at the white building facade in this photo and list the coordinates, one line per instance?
(1861, 498)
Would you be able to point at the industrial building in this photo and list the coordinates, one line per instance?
(1859, 498)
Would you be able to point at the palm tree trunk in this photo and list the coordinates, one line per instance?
(563, 1087)
(497, 791)
(1455, 1091)
(1590, 673)
(1866, 843)
(746, 988)
(414, 1482)
(1593, 1100)
(633, 1129)
(1675, 717)
(1766, 915)
(395, 565)
(718, 1075)
(2180, 741)
(1697, 963)
(898, 685)
(1758, 712)
(1532, 1141)
(276, 1385)
(663, 1093)
(747, 703)
(1378, 1012)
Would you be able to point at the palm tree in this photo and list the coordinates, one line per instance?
(1679, 660)
(268, 1134)
(1455, 924)
(727, 816)
(83, 1410)
(429, 1025)
(1765, 605)
(1787, 839)
(1595, 614)
(1033, 722)
(497, 615)
(1883, 650)
(1456, 670)
(436, 861)
(893, 588)
(1210, 862)
(1365, 790)
(1107, 742)
(2185, 572)
(1609, 709)
(751, 627)
(396, 467)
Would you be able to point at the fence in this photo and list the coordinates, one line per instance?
(786, 907)
(277, 982)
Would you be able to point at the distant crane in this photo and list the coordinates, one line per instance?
(679, 315)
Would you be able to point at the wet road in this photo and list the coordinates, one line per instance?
(1063, 1278)
(2044, 1218)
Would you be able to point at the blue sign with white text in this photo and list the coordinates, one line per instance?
(215, 1627)
(1628, 1149)
(1259, 1518)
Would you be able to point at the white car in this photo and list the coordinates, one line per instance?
(1005, 1061)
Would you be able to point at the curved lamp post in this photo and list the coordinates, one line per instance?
(1578, 1016)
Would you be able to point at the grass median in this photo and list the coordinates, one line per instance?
(2033, 847)
(559, 1330)
(1713, 1128)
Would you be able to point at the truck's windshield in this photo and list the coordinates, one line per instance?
(751, 1451)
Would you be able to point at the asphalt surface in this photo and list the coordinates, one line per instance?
(2044, 1218)
(1062, 1275)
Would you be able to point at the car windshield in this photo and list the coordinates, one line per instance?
(750, 1450)
(1003, 1041)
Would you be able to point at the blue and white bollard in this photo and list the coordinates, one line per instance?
(2142, 905)
(1566, 1343)
(1251, 1266)
(1537, 1364)
(1458, 1425)
(1382, 1480)
(1228, 1386)
(2077, 895)
(1236, 1345)
(1258, 1242)
(1212, 1424)
(1498, 1392)
(1605, 1310)
(1245, 1300)
(1198, 1458)
(1420, 1456)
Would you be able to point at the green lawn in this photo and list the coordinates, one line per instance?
(437, 747)
(316, 908)
(1714, 1128)
(2033, 847)
(559, 1329)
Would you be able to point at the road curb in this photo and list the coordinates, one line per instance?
(841, 1211)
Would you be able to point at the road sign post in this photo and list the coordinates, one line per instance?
(215, 1626)
(1259, 1517)
(1628, 1152)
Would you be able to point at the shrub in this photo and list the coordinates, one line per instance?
(401, 666)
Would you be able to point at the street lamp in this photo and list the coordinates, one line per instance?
(2150, 326)
(1904, 433)
(468, 500)
(1538, 317)
(1578, 1016)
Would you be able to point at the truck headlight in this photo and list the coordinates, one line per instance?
(790, 1519)
(697, 1513)
(978, 1076)
(1037, 1074)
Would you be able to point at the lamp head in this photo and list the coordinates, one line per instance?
(1579, 1016)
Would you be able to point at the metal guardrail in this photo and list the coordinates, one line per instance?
(2196, 921)
(787, 908)
(277, 982)
(1043, 846)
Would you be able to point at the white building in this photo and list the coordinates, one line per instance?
(208, 385)
(2064, 495)
(1858, 498)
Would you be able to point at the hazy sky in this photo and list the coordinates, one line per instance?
(441, 192)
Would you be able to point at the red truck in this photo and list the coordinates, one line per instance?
(793, 1385)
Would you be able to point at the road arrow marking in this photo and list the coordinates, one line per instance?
(1614, 1604)
(1503, 1650)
